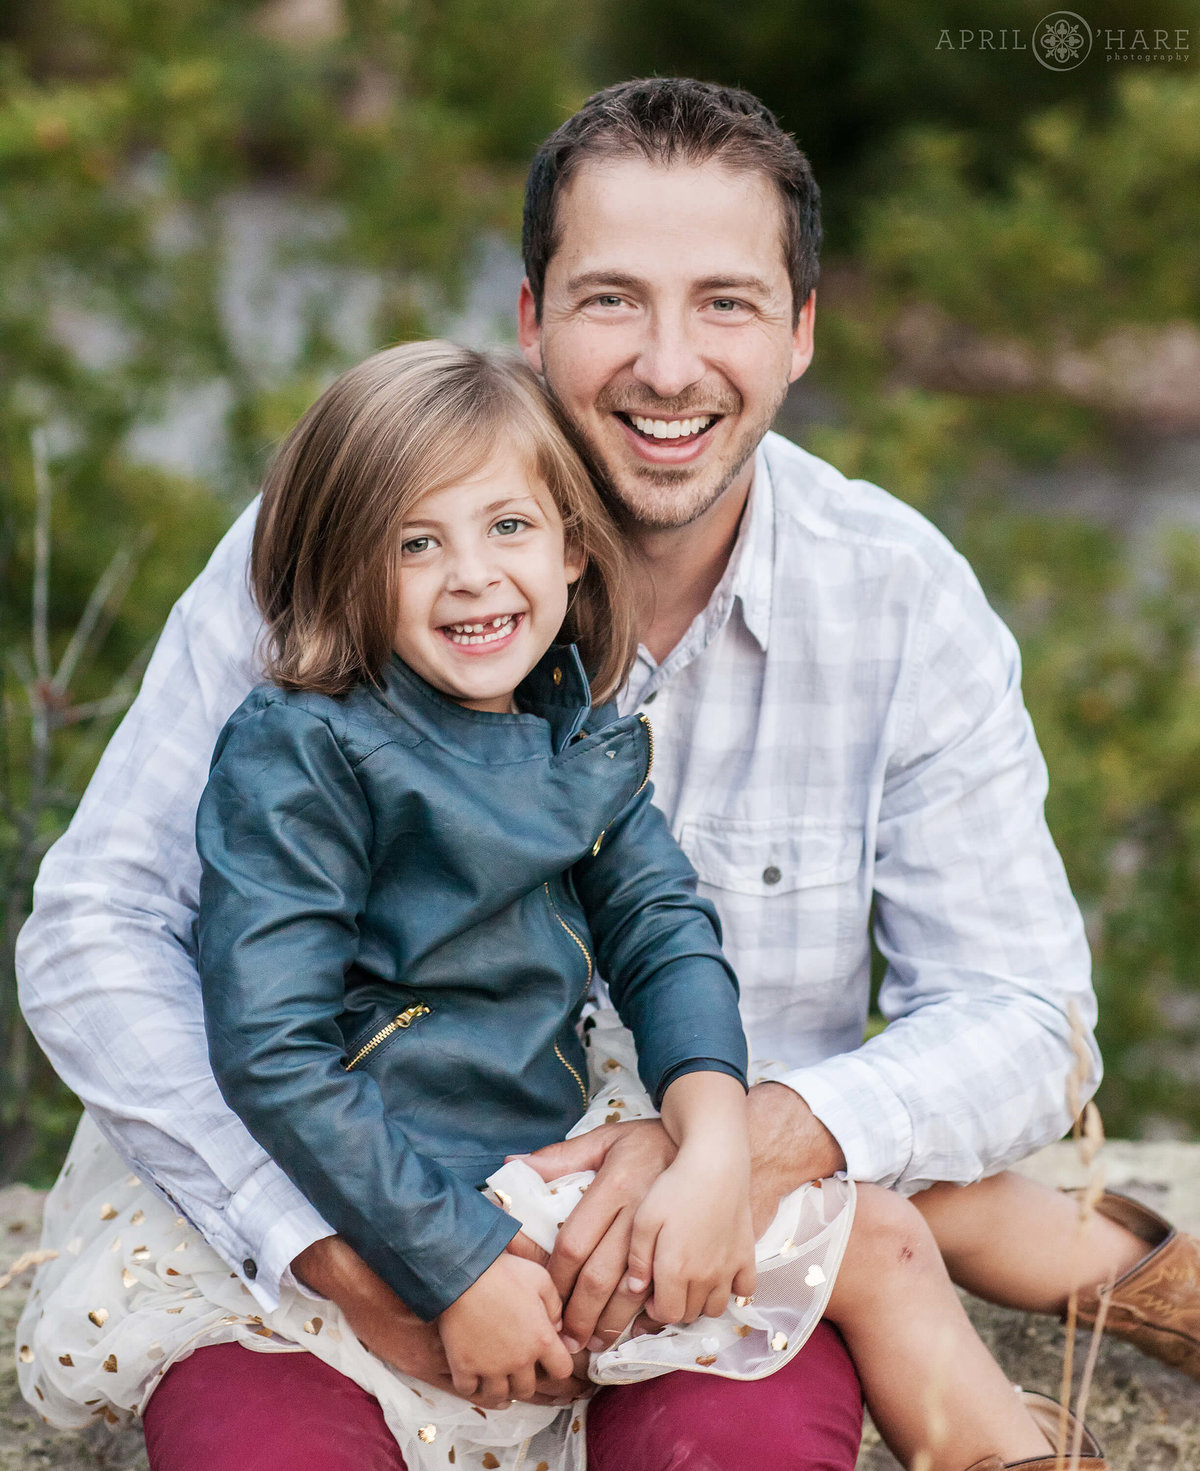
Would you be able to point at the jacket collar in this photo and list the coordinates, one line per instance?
(554, 701)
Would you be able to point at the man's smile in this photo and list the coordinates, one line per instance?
(667, 441)
(670, 428)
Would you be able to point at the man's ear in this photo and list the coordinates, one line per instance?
(529, 329)
(802, 338)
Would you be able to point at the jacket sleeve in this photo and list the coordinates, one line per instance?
(284, 836)
(658, 945)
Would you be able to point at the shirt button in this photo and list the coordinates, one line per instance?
(771, 875)
(250, 1267)
(557, 676)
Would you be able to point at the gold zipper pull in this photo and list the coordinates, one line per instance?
(397, 1024)
(406, 1018)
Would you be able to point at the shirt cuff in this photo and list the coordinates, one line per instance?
(869, 1121)
(275, 1223)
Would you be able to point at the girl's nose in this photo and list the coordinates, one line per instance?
(471, 572)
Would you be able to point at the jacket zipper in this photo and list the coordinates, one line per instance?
(399, 1023)
(649, 752)
(587, 955)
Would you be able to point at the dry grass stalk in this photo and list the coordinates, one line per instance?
(1089, 1368)
(23, 1264)
(1088, 1134)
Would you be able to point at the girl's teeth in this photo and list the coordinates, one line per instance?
(473, 633)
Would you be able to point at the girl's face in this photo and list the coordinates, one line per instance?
(484, 578)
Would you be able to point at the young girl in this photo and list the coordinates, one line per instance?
(422, 842)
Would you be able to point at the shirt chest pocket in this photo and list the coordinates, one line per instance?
(774, 857)
(788, 894)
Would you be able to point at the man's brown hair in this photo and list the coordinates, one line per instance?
(669, 120)
(415, 419)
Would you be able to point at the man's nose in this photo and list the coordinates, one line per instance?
(669, 361)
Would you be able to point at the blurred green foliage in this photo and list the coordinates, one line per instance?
(851, 80)
(127, 129)
(971, 190)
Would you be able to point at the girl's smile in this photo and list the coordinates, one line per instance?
(484, 577)
(485, 636)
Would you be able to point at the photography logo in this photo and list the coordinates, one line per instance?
(1062, 41)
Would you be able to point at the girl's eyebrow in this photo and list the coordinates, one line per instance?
(522, 498)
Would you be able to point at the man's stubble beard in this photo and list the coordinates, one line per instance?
(657, 497)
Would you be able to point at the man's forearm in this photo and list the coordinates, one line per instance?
(788, 1147)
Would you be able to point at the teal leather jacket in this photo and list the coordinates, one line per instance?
(402, 908)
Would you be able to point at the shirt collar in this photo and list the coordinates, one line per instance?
(749, 575)
(751, 570)
(748, 579)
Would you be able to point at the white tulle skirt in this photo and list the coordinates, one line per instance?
(134, 1288)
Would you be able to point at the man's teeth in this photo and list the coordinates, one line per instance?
(474, 633)
(671, 428)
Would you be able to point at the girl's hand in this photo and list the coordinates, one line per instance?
(692, 1235)
(498, 1333)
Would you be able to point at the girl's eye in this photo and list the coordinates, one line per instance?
(510, 525)
(415, 545)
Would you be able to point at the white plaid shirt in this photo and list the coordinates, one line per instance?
(842, 725)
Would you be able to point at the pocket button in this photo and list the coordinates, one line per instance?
(771, 875)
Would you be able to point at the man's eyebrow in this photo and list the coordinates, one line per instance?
(735, 283)
(596, 280)
(591, 280)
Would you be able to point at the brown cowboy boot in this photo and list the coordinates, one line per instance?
(1156, 1304)
(1045, 1413)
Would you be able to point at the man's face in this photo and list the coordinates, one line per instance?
(666, 329)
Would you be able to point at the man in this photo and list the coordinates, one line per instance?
(839, 726)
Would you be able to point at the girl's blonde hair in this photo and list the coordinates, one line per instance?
(409, 421)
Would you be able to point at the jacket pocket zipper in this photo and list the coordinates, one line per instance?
(399, 1023)
(649, 752)
(587, 955)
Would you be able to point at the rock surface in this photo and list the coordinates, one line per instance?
(1146, 1416)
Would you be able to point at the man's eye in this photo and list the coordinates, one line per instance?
(416, 544)
(608, 300)
(726, 304)
(510, 525)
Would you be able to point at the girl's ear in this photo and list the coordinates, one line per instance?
(574, 561)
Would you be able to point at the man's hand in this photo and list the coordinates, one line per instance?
(788, 1146)
(592, 1251)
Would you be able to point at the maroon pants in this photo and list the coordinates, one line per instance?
(227, 1408)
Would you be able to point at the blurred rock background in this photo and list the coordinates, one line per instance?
(209, 207)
